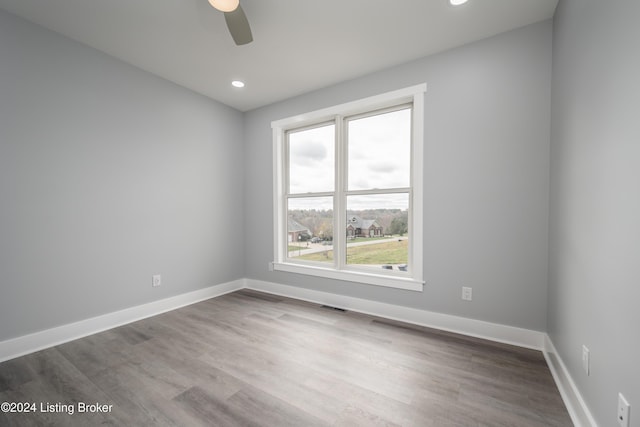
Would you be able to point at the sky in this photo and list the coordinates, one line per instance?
(379, 151)
(354, 203)
(378, 158)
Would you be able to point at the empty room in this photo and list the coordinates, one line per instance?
(319, 213)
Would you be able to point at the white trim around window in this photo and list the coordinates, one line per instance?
(411, 97)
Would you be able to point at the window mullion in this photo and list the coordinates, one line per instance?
(378, 191)
(340, 211)
(310, 194)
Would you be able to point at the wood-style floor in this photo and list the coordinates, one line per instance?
(253, 359)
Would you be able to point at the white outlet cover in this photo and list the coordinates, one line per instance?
(624, 410)
(156, 280)
(467, 293)
(585, 359)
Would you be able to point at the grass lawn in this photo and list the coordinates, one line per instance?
(368, 239)
(392, 252)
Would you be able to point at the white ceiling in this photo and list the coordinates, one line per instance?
(299, 45)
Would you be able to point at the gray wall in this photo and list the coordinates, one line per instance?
(107, 175)
(595, 200)
(486, 178)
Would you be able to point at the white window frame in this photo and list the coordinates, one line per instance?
(411, 280)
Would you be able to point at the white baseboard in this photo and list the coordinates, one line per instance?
(578, 409)
(26, 344)
(476, 328)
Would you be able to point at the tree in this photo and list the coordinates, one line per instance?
(400, 224)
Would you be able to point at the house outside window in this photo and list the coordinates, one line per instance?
(358, 227)
(355, 169)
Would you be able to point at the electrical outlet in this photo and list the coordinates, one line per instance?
(467, 293)
(156, 280)
(624, 410)
(585, 359)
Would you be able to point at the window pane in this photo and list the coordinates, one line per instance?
(378, 231)
(311, 160)
(310, 229)
(380, 151)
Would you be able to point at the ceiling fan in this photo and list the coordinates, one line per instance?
(236, 20)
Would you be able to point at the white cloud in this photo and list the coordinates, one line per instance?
(379, 151)
(311, 160)
(378, 201)
(379, 154)
(309, 152)
(311, 203)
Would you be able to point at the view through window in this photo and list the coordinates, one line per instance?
(377, 149)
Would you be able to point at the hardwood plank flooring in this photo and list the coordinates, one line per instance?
(253, 359)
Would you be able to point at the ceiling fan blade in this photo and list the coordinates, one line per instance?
(238, 26)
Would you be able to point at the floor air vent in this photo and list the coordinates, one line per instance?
(334, 308)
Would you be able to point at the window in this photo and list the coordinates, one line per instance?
(348, 191)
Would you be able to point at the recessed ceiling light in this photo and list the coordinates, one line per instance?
(237, 83)
(457, 2)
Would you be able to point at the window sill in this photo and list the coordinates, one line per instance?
(395, 282)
